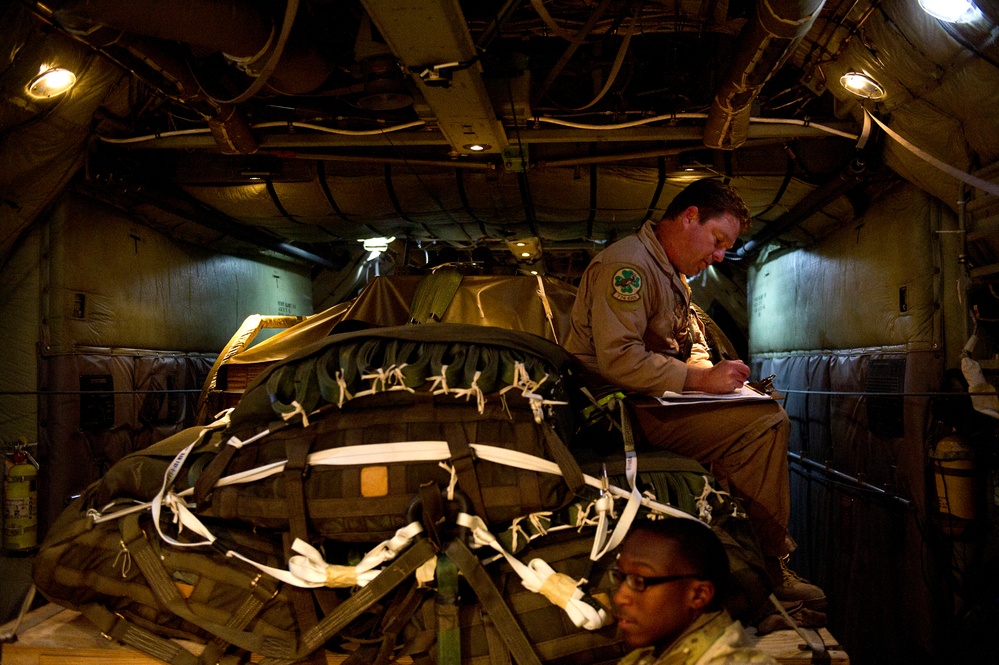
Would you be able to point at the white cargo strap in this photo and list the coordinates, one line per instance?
(544, 301)
(403, 451)
(310, 567)
(182, 516)
(635, 498)
(307, 571)
(539, 577)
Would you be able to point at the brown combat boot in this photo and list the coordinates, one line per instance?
(791, 587)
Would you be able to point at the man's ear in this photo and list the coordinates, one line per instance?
(701, 593)
(691, 215)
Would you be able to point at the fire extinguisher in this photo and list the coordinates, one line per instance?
(20, 500)
(954, 475)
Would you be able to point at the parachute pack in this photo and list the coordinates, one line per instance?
(416, 490)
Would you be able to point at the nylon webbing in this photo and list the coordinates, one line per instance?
(492, 602)
(560, 454)
(393, 575)
(248, 610)
(211, 474)
(167, 594)
(117, 627)
(294, 488)
(433, 295)
(464, 465)
(396, 617)
(446, 606)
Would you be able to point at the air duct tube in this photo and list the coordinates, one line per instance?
(765, 42)
(246, 35)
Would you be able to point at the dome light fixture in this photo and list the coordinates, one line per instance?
(376, 245)
(862, 85)
(51, 82)
(951, 11)
(476, 147)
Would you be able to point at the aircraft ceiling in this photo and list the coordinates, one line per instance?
(300, 127)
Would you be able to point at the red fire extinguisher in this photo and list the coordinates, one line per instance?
(20, 500)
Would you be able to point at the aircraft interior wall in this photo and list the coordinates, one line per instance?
(96, 303)
(19, 312)
(859, 313)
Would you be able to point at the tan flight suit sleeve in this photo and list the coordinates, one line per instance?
(619, 324)
(700, 353)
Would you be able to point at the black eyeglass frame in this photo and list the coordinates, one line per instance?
(640, 583)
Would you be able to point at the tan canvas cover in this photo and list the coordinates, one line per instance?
(506, 301)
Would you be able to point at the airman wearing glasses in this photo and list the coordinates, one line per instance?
(671, 575)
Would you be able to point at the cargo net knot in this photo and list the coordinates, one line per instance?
(438, 384)
(474, 389)
(341, 383)
(538, 525)
(704, 507)
(397, 379)
(529, 389)
(296, 410)
(453, 480)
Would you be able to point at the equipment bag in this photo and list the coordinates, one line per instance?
(138, 590)
(391, 390)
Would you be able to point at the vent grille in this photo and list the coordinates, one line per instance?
(886, 415)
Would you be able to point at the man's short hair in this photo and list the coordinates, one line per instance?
(712, 198)
(699, 547)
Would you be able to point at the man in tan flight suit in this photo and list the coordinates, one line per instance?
(632, 324)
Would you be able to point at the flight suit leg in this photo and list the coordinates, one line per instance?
(745, 446)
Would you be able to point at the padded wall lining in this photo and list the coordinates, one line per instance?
(76, 446)
(867, 286)
(867, 550)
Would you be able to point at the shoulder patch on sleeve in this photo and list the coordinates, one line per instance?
(627, 285)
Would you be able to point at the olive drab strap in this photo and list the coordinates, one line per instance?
(539, 577)
(334, 622)
(434, 294)
(492, 602)
(167, 594)
(446, 607)
(464, 465)
(118, 628)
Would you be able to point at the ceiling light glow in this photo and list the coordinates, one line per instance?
(377, 244)
(862, 85)
(951, 11)
(476, 147)
(51, 82)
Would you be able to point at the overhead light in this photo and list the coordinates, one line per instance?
(525, 249)
(376, 245)
(951, 11)
(50, 82)
(476, 147)
(862, 85)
